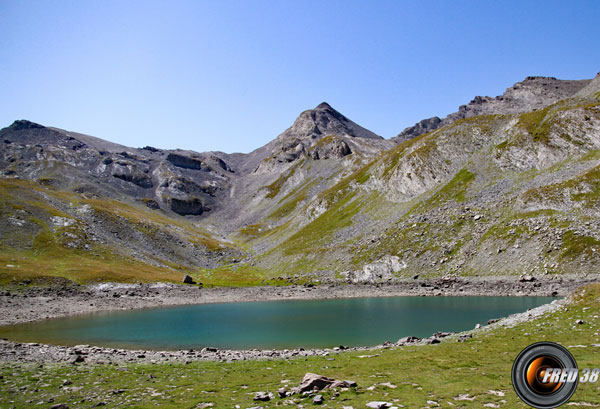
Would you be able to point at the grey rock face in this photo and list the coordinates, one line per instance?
(422, 127)
(187, 162)
(184, 207)
(333, 148)
(130, 173)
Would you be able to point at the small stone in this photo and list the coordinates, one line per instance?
(379, 405)
(318, 400)
(579, 322)
(262, 396)
(60, 406)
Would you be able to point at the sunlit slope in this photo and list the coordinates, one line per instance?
(494, 194)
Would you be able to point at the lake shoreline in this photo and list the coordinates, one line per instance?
(39, 303)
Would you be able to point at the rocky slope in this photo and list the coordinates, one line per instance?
(528, 95)
(506, 185)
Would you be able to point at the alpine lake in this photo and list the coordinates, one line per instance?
(285, 324)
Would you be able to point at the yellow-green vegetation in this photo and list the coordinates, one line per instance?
(318, 232)
(453, 190)
(554, 118)
(37, 248)
(81, 267)
(252, 230)
(478, 369)
(235, 275)
(324, 141)
(537, 124)
(291, 200)
(577, 245)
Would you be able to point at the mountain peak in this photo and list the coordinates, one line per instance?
(324, 120)
(323, 105)
(24, 124)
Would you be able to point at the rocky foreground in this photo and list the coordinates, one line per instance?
(24, 304)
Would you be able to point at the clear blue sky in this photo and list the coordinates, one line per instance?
(232, 75)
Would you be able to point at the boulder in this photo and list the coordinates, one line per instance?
(188, 280)
(79, 359)
(263, 396)
(408, 340)
(313, 381)
(382, 269)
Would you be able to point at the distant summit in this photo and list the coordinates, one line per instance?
(323, 120)
(24, 124)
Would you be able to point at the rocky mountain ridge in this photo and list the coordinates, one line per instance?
(506, 186)
(528, 95)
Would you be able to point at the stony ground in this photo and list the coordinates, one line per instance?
(23, 303)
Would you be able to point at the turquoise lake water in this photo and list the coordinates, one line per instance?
(274, 324)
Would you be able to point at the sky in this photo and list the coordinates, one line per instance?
(232, 75)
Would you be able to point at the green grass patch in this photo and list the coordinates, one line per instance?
(576, 246)
(316, 233)
(536, 123)
(453, 190)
